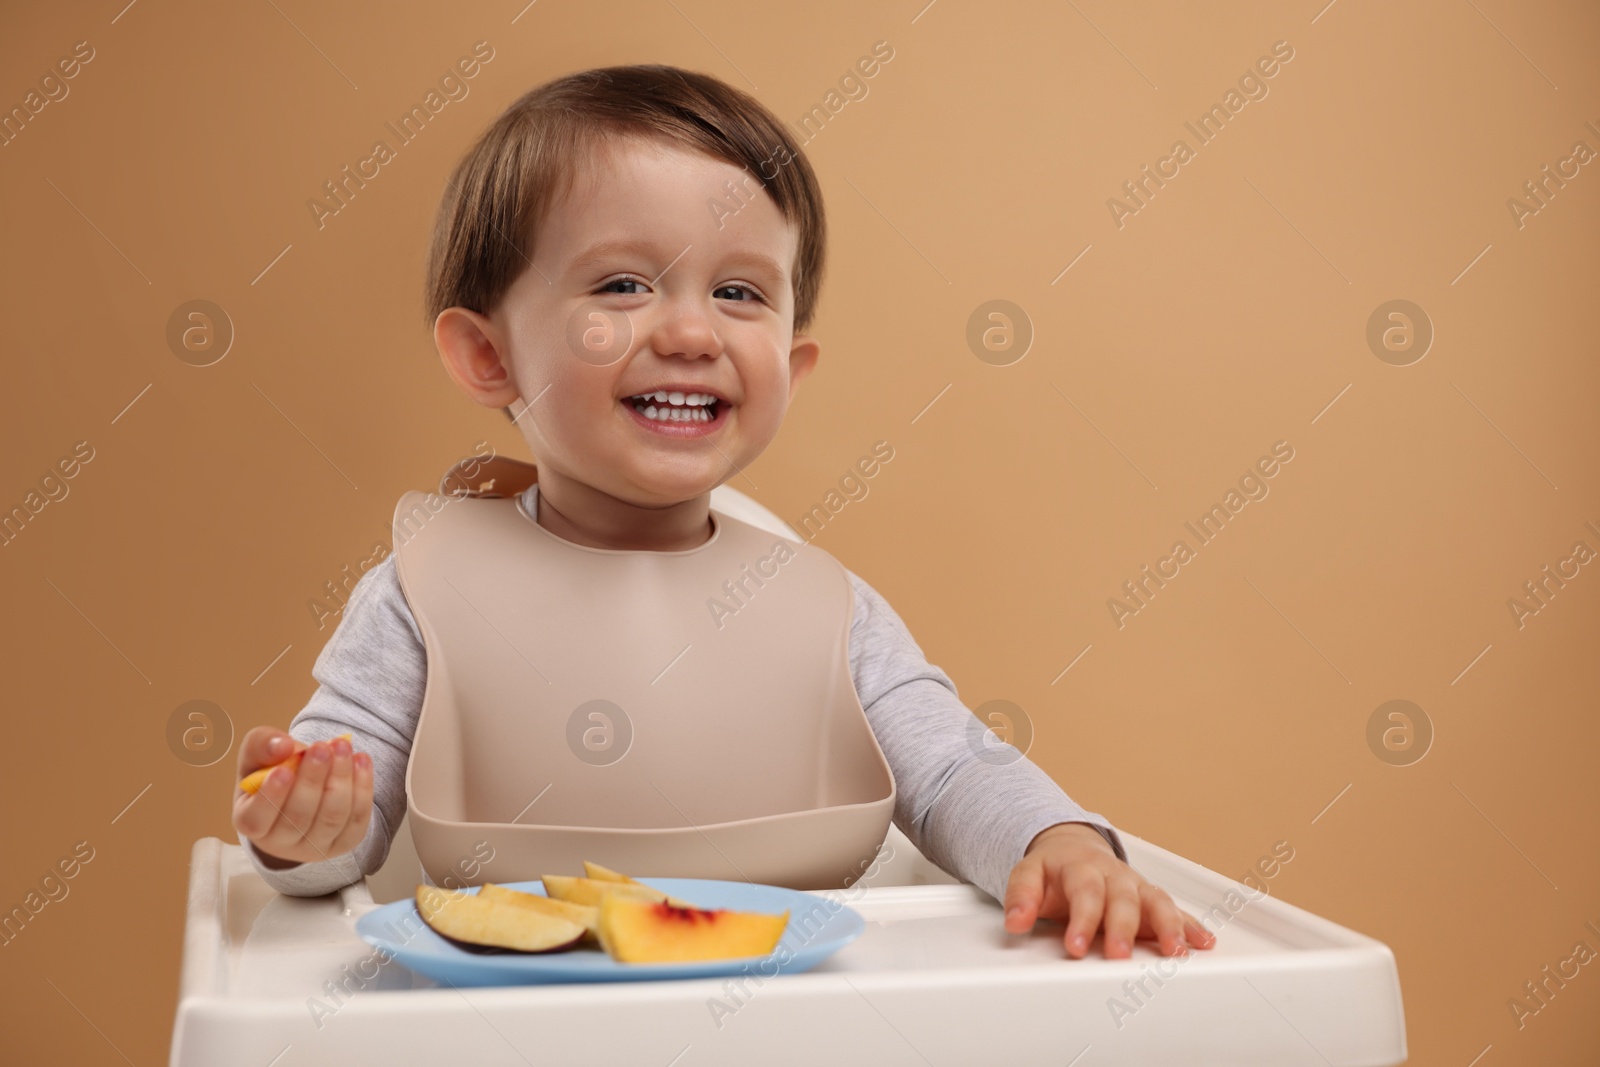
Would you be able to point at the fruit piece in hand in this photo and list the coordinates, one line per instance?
(584, 915)
(643, 931)
(470, 918)
(251, 782)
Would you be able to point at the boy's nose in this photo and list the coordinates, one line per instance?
(685, 328)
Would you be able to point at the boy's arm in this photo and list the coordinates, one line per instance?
(974, 817)
(372, 673)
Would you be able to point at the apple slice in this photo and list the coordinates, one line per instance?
(591, 891)
(642, 931)
(251, 783)
(472, 919)
(584, 915)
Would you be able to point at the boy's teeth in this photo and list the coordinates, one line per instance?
(664, 406)
(678, 414)
(661, 396)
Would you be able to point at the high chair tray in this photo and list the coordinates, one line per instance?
(934, 980)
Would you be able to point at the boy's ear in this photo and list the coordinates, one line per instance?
(803, 355)
(469, 344)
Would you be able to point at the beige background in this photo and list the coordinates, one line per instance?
(1223, 317)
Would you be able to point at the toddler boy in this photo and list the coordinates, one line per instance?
(672, 217)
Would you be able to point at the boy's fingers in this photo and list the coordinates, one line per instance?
(298, 812)
(355, 830)
(1162, 920)
(269, 803)
(1122, 915)
(1196, 933)
(1024, 892)
(336, 797)
(262, 747)
(321, 808)
(256, 815)
(1086, 896)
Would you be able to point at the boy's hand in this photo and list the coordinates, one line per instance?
(314, 813)
(1070, 872)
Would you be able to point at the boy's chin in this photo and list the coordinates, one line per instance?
(658, 488)
(666, 494)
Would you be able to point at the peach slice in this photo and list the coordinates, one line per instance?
(591, 891)
(584, 915)
(605, 874)
(251, 782)
(470, 918)
(643, 931)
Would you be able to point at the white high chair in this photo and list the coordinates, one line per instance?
(283, 981)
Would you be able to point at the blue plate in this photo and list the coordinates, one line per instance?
(818, 927)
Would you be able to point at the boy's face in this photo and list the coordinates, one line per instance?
(706, 295)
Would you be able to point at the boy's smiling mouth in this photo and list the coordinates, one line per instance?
(678, 411)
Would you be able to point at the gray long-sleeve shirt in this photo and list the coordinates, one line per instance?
(972, 808)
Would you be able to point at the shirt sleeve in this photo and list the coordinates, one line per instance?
(371, 675)
(968, 803)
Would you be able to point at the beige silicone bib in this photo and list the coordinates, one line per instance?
(669, 714)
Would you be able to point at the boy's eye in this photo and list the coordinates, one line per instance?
(745, 293)
(747, 290)
(607, 288)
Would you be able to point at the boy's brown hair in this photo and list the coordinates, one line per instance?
(489, 216)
